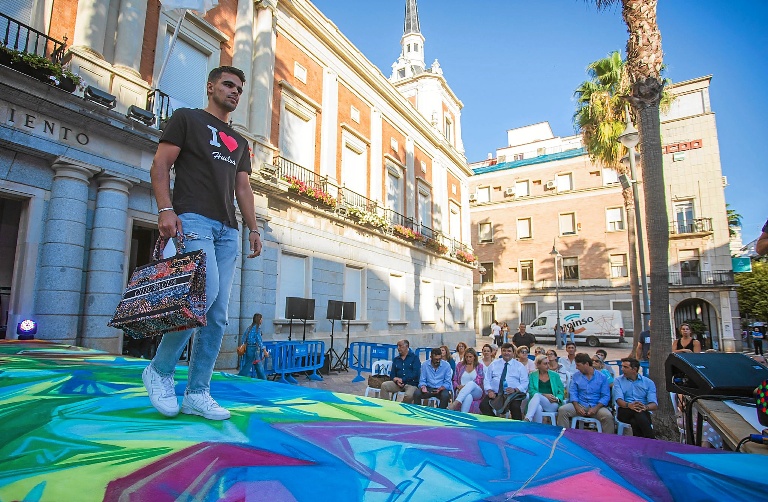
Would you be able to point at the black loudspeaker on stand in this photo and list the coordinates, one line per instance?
(339, 311)
(711, 376)
(302, 309)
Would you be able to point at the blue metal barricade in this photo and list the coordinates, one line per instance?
(362, 355)
(287, 357)
(423, 353)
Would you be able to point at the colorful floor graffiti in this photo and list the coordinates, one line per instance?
(76, 425)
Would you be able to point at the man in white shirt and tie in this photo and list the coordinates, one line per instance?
(505, 376)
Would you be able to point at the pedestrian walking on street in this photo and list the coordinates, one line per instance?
(757, 340)
(255, 353)
(212, 164)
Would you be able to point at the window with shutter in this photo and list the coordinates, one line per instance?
(186, 74)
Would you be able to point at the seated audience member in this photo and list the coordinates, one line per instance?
(445, 352)
(539, 351)
(404, 375)
(487, 357)
(635, 398)
(555, 366)
(505, 376)
(435, 379)
(568, 361)
(458, 356)
(603, 355)
(522, 356)
(588, 396)
(598, 364)
(686, 342)
(467, 382)
(545, 389)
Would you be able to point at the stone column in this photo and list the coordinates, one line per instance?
(105, 278)
(263, 70)
(378, 176)
(457, 131)
(241, 58)
(130, 34)
(60, 279)
(90, 26)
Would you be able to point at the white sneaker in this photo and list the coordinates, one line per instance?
(203, 404)
(161, 391)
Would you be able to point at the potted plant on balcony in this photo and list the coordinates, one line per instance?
(466, 256)
(68, 80)
(34, 65)
(366, 218)
(436, 246)
(301, 188)
(408, 234)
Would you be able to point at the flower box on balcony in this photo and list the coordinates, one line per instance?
(408, 234)
(317, 195)
(436, 246)
(466, 256)
(366, 218)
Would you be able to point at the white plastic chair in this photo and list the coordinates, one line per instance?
(552, 415)
(575, 421)
(378, 368)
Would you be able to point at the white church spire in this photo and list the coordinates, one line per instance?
(411, 60)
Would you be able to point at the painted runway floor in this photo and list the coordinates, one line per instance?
(76, 425)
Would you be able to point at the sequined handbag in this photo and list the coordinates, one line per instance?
(164, 295)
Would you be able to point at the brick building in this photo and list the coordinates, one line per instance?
(77, 209)
(541, 189)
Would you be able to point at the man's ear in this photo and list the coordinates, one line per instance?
(209, 88)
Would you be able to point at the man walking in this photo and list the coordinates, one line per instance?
(212, 163)
(636, 398)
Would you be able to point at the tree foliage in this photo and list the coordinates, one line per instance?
(753, 292)
(734, 220)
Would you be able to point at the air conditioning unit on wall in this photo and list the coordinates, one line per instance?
(490, 298)
(550, 185)
(472, 198)
(509, 192)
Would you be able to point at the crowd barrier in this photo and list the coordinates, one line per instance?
(362, 355)
(294, 357)
(423, 353)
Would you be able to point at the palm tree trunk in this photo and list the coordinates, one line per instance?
(646, 95)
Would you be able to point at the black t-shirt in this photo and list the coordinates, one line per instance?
(211, 156)
(523, 339)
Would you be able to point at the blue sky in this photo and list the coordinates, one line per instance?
(517, 62)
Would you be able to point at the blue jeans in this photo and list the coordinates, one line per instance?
(252, 352)
(221, 244)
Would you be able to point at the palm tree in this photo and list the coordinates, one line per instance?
(734, 220)
(600, 119)
(644, 65)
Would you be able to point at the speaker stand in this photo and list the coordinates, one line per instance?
(342, 364)
(331, 353)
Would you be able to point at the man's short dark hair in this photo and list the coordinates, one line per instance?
(437, 352)
(602, 352)
(570, 343)
(507, 346)
(633, 363)
(216, 73)
(583, 358)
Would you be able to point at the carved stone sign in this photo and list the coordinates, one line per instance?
(41, 125)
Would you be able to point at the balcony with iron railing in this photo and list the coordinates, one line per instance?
(690, 228)
(360, 209)
(704, 277)
(22, 38)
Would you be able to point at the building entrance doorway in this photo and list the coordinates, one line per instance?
(702, 317)
(143, 240)
(10, 216)
(486, 315)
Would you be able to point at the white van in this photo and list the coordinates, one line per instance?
(592, 327)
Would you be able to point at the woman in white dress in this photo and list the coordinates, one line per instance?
(467, 382)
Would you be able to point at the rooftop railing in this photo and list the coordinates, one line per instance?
(694, 226)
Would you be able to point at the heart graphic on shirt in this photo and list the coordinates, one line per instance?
(229, 141)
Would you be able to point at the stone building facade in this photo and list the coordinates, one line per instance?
(542, 190)
(78, 213)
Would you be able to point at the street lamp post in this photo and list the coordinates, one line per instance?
(630, 138)
(556, 254)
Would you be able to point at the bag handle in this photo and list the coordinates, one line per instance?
(157, 252)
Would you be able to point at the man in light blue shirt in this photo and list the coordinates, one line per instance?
(589, 396)
(636, 398)
(435, 380)
(505, 376)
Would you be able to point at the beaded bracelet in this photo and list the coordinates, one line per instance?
(164, 209)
